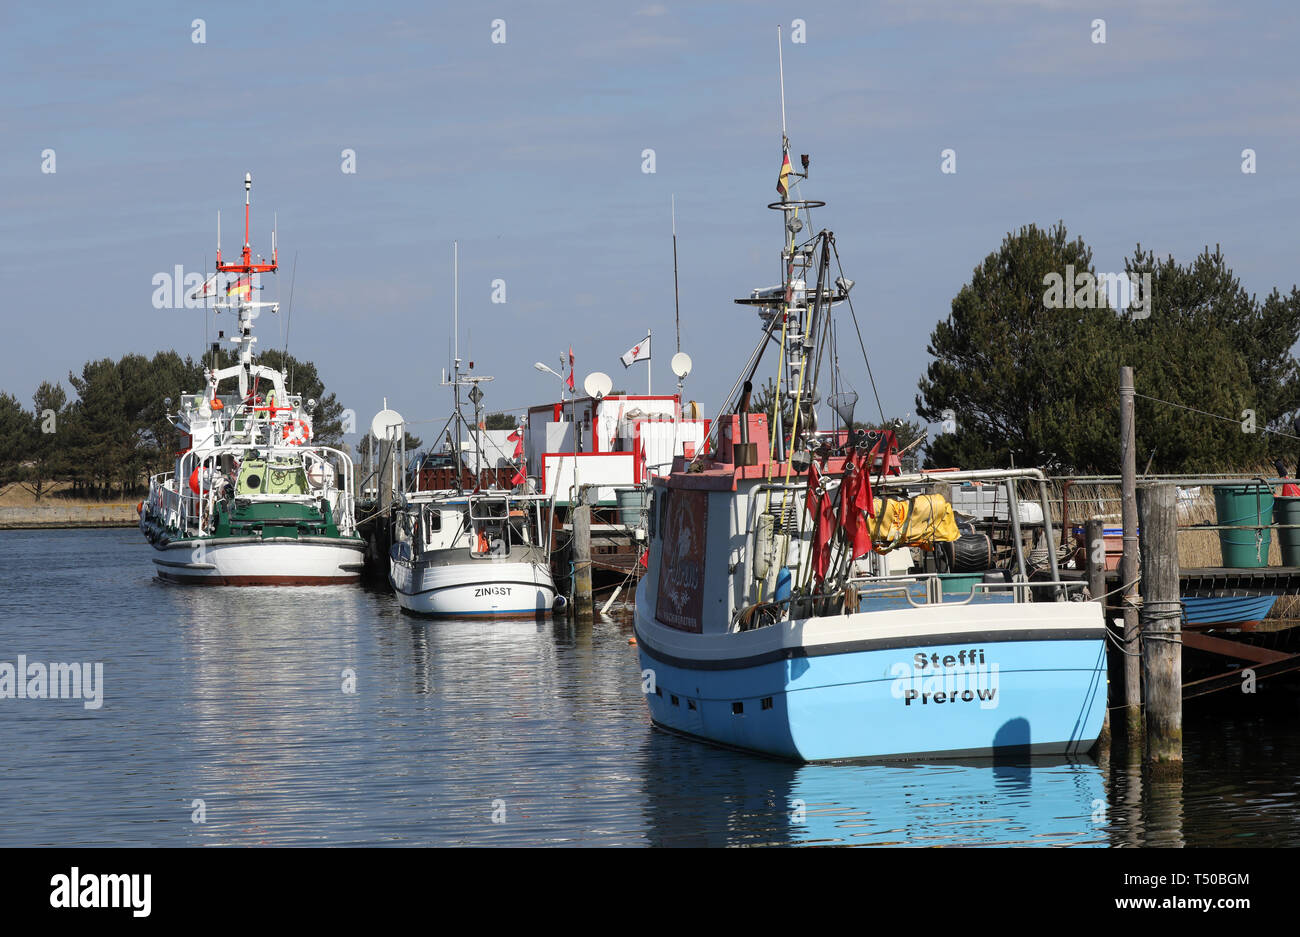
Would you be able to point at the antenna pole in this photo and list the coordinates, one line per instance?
(455, 303)
(677, 305)
(648, 363)
(781, 68)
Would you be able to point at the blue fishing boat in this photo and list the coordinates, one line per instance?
(806, 600)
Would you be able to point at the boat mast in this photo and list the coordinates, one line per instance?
(790, 214)
(475, 395)
(455, 329)
(248, 310)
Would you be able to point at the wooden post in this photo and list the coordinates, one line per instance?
(581, 514)
(1162, 648)
(385, 473)
(1095, 545)
(384, 522)
(1128, 567)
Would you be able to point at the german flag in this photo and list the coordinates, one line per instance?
(241, 287)
(782, 186)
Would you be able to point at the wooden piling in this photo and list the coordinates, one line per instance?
(1095, 545)
(384, 478)
(1162, 648)
(581, 514)
(385, 474)
(1128, 568)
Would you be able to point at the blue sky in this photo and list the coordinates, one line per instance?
(529, 153)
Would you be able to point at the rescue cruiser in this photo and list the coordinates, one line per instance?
(806, 600)
(250, 500)
(463, 547)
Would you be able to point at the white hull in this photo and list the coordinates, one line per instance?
(473, 588)
(256, 562)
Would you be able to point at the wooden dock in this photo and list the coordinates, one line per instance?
(1242, 642)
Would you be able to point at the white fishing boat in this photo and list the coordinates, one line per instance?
(469, 545)
(806, 600)
(250, 500)
(472, 554)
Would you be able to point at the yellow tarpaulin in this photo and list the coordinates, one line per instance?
(920, 522)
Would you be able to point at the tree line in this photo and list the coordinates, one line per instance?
(1025, 373)
(114, 433)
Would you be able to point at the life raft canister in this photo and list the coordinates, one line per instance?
(296, 432)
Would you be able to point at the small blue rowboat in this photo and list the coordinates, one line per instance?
(1206, 610)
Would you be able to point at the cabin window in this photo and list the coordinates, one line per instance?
(673, 699)
(738, 709)
(518, 523)
(766, 702)
(433, 521)
(690, 704)
(490, 539)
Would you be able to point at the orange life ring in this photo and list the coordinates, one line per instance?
(296, 432)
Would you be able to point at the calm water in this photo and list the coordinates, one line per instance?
(236, 697)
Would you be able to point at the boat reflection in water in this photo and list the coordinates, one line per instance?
(752, 801)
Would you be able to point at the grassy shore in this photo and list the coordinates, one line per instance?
(19, 509)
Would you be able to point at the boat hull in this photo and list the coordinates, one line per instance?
(253, 561)
(476, 588)
(1035, 687)
(1204, 610)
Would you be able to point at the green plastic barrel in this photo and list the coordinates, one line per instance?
(960, 583)
(1248, 506)
(1287, 511)
(630, 503)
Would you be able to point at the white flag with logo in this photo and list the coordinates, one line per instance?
(637, 353)
(209, 288)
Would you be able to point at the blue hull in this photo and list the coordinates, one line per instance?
(1036, 696)
(1238, 608)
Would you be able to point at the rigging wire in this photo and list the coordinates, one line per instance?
(1226, 419)
(293, 277)
(840, 266)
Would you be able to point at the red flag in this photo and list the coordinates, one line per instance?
(570, 380)
(518, 438)
(855, 498)
(823, 520)
(519, 478)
